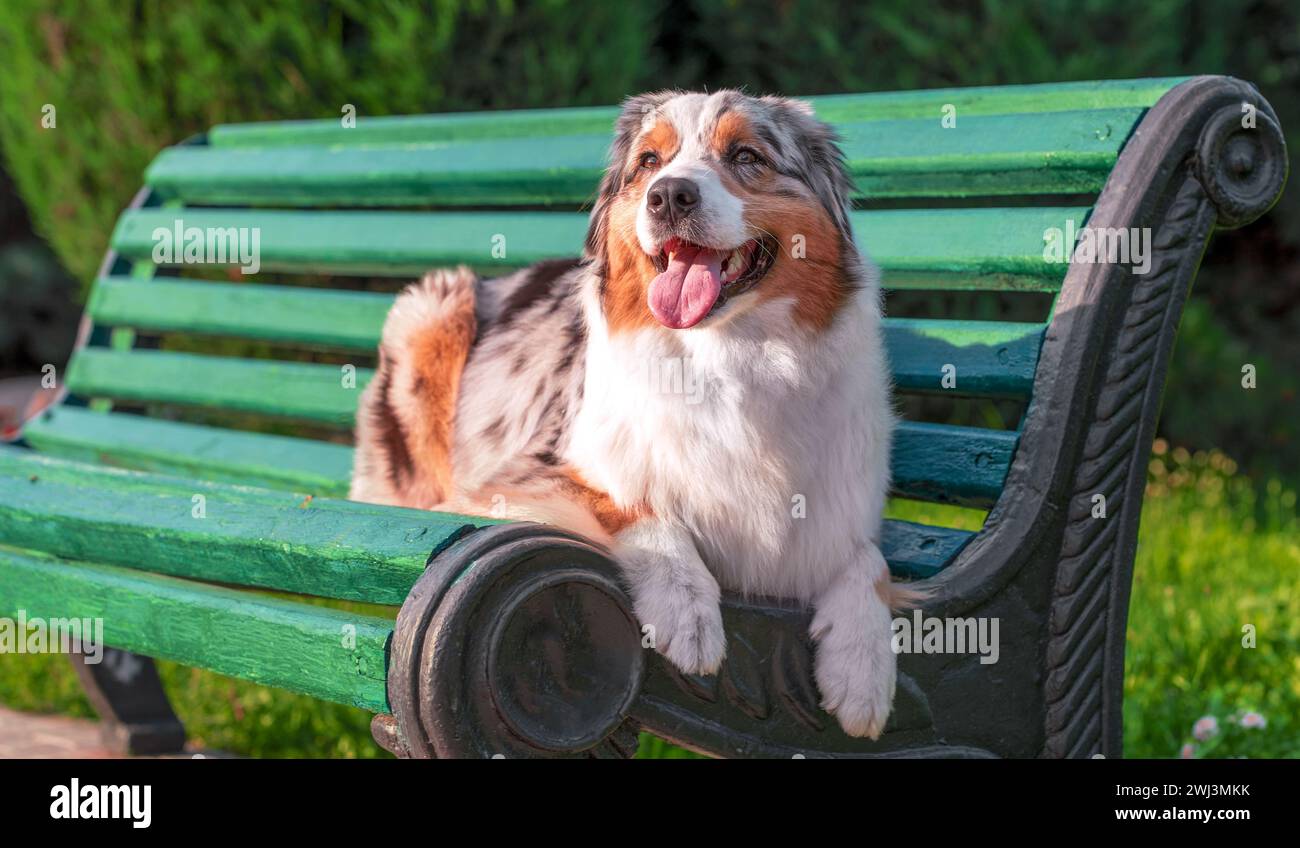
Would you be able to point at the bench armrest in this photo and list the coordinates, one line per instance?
(1209, 154)
(518, 641)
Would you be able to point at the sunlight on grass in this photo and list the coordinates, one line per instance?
(1215, 554)
(943, 515)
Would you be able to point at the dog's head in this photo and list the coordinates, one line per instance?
(715, 203)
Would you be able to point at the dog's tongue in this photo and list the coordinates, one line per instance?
(681, 296)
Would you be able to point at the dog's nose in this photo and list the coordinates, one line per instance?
(673, 199)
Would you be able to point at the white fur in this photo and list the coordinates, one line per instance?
(780, 418)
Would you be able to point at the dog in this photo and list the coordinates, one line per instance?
(705, 391)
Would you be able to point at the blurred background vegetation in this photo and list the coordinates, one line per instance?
(132, 76)
(129, 77)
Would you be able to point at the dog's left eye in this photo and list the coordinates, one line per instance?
(649, 160)
(745, 156)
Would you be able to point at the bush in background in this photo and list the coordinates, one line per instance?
(129, 78)
(38, 298)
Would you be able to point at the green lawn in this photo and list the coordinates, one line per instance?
(1215, 553)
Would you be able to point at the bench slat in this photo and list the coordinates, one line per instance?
(992, 244)
(349, 320)
(992, 358)
(951, 464)
(1059, 153)
(246, 536)
(542, 123)
(297, 390)
(192, 450)
(171, 447)
(266, 640)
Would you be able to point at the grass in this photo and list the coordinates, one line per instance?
(1215, 553)
(1217, 556)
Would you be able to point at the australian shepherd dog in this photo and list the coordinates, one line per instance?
(705, 392)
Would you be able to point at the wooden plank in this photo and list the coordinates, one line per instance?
(349, 320)
(989, 243)
(1056, 153)
(943, 463)
(904, 281)
(192, 450)
(1040, 98)
(912, 550)
(1022, 154)
(542, 123)
(917, 551)
(564, 169)
(288, 541)
(330, 654)
(988, 358)
(297, 390)
(992, 358)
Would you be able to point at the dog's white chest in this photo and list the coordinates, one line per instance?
(702, 438)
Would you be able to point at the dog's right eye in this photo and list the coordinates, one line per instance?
(649, 160)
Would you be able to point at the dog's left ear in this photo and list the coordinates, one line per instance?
(819, 158)
(630, 124)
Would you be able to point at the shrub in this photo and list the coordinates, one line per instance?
(128, 78)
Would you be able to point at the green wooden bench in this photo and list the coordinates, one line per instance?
(176, 483)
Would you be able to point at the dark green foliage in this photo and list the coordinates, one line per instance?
(1205, 402)
(41, 297)
(128, 78)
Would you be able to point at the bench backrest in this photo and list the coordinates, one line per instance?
(960, 189)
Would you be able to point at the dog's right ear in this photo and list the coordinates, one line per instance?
(632, 121)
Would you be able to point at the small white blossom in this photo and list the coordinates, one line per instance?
(1254, 720)
(1206, 727)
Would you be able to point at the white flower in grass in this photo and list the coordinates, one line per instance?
(1188, 752)
(1254, 720)
(1206, 727)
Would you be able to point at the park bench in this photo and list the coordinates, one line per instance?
(189, 486)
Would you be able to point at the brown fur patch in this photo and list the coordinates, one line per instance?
(731, 129)
(661, 140)
(816, 280)
(437, 354)
(611, 516)
(628, 270)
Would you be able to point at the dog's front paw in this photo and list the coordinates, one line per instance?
(686, 627)
(855, 669)
(855, 664)
(677, 599)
